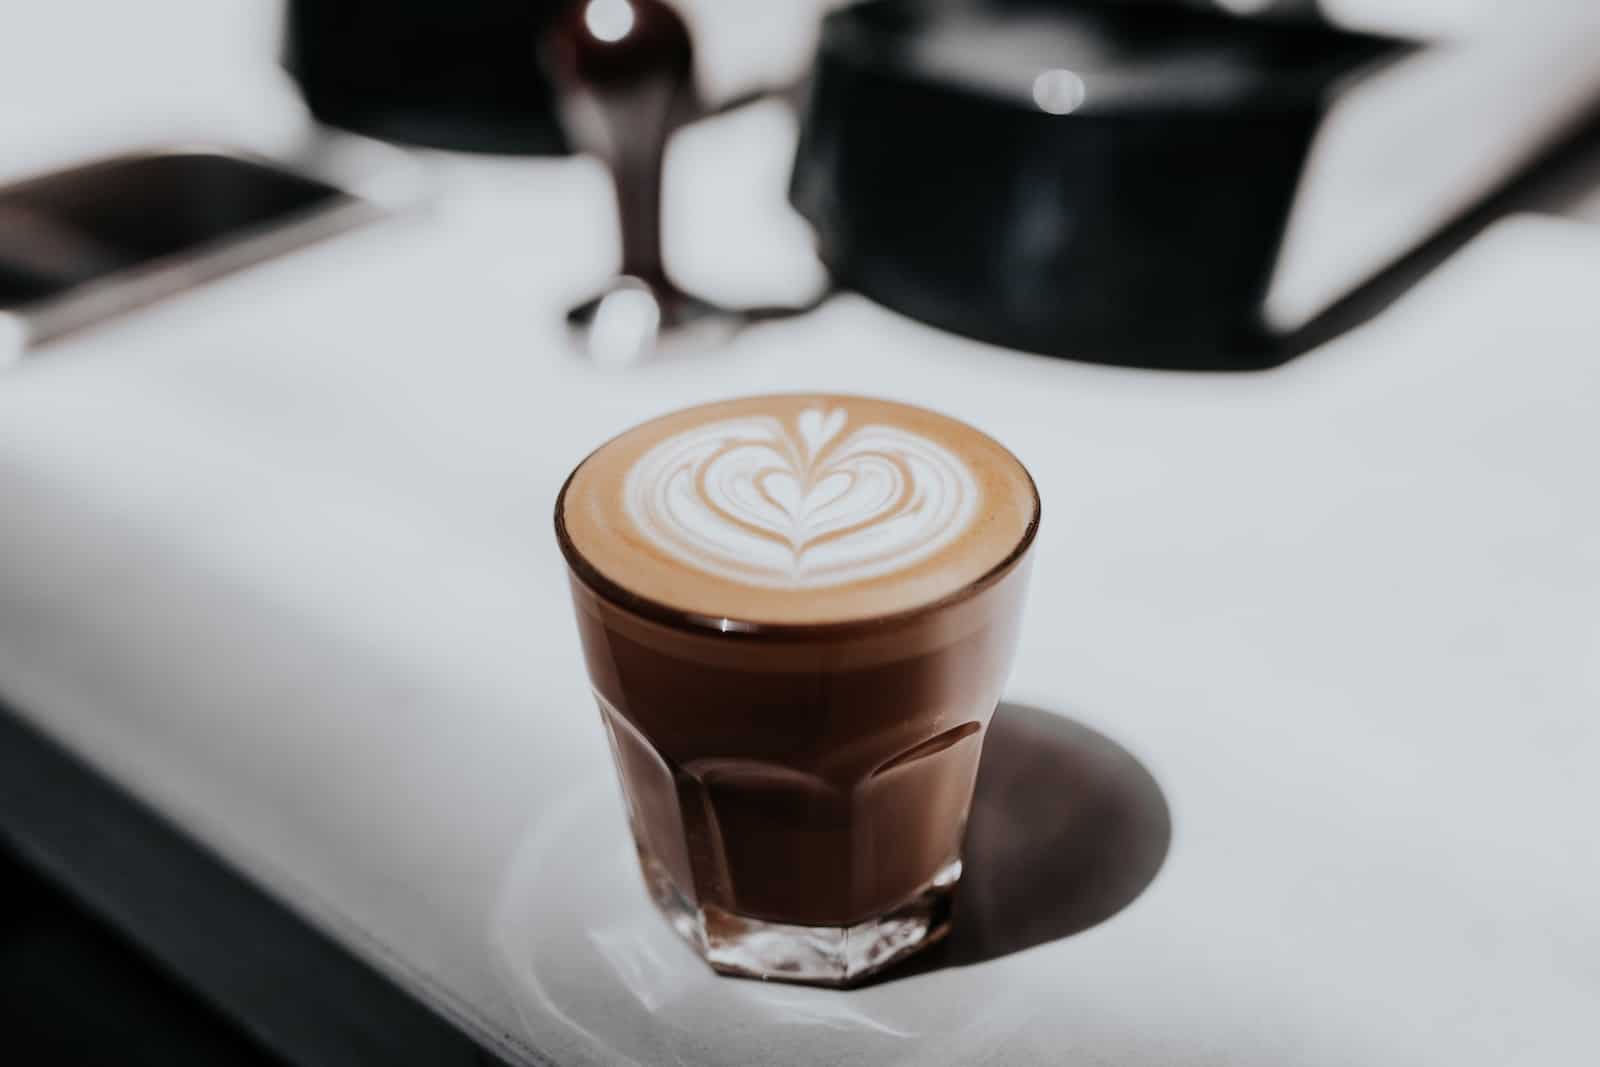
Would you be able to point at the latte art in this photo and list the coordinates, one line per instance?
(800, 503)
(795, 510)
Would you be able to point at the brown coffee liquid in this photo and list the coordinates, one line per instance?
(805, 782)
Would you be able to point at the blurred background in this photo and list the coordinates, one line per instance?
(307, 308)
(1302, 148)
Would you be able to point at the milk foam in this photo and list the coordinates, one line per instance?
(804, 503)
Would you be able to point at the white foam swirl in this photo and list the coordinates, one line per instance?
(800, 504)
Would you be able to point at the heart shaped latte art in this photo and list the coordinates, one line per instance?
(800, 504)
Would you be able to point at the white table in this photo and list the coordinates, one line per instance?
(277, 557)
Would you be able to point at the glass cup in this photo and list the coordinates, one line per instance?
(798, 793)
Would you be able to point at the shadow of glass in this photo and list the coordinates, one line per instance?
(1067, 829)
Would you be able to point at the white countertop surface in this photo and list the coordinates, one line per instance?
(277, 556)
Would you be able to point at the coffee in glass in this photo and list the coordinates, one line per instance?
(797, 613)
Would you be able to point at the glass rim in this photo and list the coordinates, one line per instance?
(738, 629)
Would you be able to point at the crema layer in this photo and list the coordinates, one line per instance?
(798, 509)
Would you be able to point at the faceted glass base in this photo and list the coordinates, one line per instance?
(835, 956)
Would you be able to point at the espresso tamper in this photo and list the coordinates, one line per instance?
(624, 73)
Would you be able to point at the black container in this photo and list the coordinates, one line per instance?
(461, 74)
(1103, 182)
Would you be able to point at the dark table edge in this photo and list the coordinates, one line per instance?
(288, 986)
